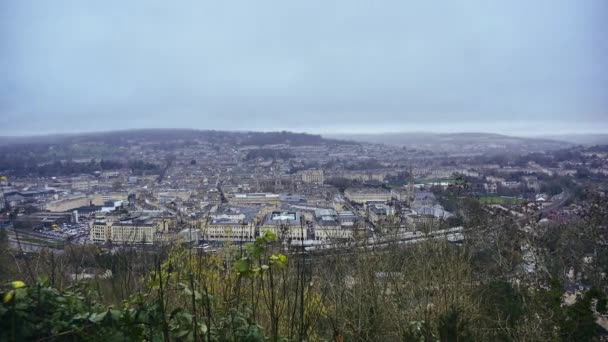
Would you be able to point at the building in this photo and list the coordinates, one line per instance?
(68, 204)
(423, 199)
(400, 194)
(328, 226)
(347, 218)
(133, 231)
(229, 230)
(255, 198)
(43, 220)
(293, 199)
(230, 224)
(513, 185)
(313, 177)
(364, 195)
(436, 211)
(531, 182)
(83, 184)
(491, 188)
(379, 212)
(285, 224)
(99, 231)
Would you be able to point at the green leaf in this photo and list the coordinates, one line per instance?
(18, 284)
(153, 283)
(181, 333)
(98, 317)
(270, 236)
(9, 296)
(115, 314)
(79, 316)
(20, 293)
(242, 265)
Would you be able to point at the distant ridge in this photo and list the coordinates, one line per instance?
(581, 139)
(173, 134)
(454, 142)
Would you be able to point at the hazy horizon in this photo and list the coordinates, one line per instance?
(329, 134)
(518, 68)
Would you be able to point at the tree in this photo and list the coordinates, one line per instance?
(117, 185)
(578, 323)
(453, 327)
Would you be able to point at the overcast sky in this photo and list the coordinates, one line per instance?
(510, 66)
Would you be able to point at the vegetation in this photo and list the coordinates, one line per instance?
(36, 165)
(501, 200)
(431, 291)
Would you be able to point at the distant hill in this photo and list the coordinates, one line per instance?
(176, 135)
(581, 139)
(458, 142)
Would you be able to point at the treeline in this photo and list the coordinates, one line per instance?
(551, 159)
(288, 138)
(31, 167)
(172, 137)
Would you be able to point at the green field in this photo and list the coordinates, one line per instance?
(501, 200)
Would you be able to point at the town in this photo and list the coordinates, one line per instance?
(206, 189)
(519, 209)
(304, 171)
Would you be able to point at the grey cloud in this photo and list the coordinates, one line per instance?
(310, 65)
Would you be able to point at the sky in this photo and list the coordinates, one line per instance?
(518, 67)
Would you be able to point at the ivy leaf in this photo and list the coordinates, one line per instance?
(18, 284)
(115, 314)
(79, 316)
(9, 296)
(98, 317)
(182, 333)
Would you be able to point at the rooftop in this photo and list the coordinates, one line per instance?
(283, 217)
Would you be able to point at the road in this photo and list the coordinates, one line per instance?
(561, 201)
